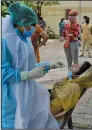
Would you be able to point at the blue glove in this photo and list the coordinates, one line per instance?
(44, 63)
(70, 74)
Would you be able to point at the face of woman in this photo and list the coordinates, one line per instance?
(27, 28)
(72, 18)
(28, 31)
(75, 69)
(22, 28)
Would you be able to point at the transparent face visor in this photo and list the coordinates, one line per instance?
(28, 27)
(29, 31)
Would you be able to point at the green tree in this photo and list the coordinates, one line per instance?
(4, 7)
(35, 5)
(39, 5)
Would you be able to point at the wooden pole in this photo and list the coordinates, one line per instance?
(80, 2)
(80, 17)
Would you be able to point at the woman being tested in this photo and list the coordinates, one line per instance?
(66, 93)
(25, 103)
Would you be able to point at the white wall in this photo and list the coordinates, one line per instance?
(53, 14)
(72, 4)
(75, 3)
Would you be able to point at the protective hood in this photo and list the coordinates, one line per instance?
(7, 25)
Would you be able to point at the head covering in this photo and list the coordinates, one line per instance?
(22, 15)
(73, 13)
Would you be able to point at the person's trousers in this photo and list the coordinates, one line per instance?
(37, 54)
(72, 53)
(86, 44)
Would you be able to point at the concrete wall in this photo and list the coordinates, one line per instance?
(53, 14)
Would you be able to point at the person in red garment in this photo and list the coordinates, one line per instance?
(70, 34)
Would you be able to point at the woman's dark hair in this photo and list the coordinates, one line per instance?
(85, 66)
(84, 17)
(87, 20)
(41, 18)
(62, 19)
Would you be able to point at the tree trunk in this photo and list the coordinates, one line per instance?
(39, 8)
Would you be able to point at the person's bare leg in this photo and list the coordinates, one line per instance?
(38, 55)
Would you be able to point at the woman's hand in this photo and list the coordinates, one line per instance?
(71, 34)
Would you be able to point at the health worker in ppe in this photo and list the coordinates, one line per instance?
(25, 103)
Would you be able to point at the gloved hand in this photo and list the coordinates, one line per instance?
(44, 63)
(37, 72)
(57, 65)
(70, 74)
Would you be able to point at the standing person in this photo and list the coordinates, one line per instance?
(25, 103)
(42, 23)
(86, 36)
(84, 21)
(61, 28)
(70, 34)
(39, 32)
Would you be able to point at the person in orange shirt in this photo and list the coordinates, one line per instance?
(39, 33)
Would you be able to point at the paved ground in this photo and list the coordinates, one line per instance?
(82, 115)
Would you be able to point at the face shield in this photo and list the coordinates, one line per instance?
(28, 31)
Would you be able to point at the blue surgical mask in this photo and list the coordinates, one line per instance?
(29, 33)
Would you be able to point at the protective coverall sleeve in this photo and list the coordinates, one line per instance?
(9, 74)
